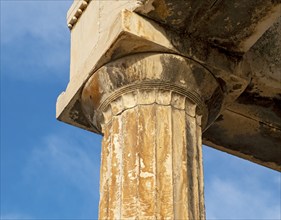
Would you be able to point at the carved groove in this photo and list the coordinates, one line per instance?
(160, 171)
(191, 95)
(105, 109)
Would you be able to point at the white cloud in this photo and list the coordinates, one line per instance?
(15, 216)
(239, 189)
(34, 39)
(59, 178)
(227, 200)
(75, 160)
(44, 19)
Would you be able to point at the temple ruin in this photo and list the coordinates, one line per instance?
(159, 78)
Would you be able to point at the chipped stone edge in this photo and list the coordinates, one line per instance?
(67, 99)
(79, 6)
(75, 12)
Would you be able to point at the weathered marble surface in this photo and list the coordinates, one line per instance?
(237, 41)
(152, 164)
(152, 75)
(151, 119)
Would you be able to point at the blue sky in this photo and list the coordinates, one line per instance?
(50, 170)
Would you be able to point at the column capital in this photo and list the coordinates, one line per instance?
(148, 78)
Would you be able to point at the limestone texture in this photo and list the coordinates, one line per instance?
(152, 124)
(158, 77)
(152, 161)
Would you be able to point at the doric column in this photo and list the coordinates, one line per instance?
(151, 109)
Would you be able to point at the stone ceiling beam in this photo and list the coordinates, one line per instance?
(231, 25)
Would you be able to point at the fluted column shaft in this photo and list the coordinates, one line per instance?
(151, 108)
(151, 158)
